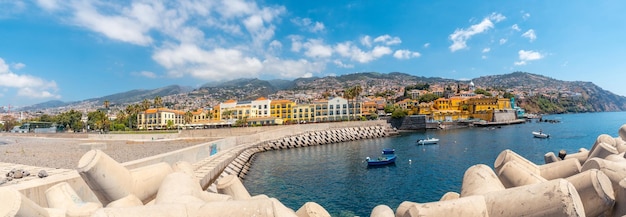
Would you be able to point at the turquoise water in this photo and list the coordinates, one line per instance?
(336, 177)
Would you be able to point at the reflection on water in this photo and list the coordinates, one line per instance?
(336, 177)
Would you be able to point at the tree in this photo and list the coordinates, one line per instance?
(106, 104)
(145, 104)
(482, 91)
(97, 120)
(356, 93)
(429, 97)
(398, 113)
(349, 94)
(9, 122)
(170, 124)
(158, 102)
(508, 95)
(70, 120)
(188, 117)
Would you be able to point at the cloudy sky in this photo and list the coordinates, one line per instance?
(78, 49)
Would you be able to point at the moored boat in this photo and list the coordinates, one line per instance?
(427, 141)
(540, 134)
(388, 157)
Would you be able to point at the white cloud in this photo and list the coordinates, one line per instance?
(530, 34)
(460, 36)
(405, 54)
(486, 50)
(497, 17)
(18, 66)
(215, 64)
(343, 65)
(118, 27)
(366, 41)
(308, 25)
(516, 27)
(483, 57)
(347, 49)
(317, 49)
(526, 16)
(292, 68)
(49, 5)
(387, 40)
(502, 41)
(26, 85)
(426, 45)
(147, 74)
(296, 43)
(525, 56)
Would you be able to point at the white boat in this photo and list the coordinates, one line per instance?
(427, 141)
(540, 135)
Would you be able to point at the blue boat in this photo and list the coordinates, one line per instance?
(388, 157)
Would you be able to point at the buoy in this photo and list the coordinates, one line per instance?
(409, 161)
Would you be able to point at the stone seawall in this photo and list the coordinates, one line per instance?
(240, 165)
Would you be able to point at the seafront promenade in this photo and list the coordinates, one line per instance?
(211, 160)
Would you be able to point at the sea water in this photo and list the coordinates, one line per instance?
(336, 176)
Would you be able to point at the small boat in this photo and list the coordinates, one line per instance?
(427, 141)
(388, 157)
(540, 135)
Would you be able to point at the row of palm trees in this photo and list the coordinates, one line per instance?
(353, 93)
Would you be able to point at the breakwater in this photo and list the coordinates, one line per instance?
(240, 165)
(100, 182)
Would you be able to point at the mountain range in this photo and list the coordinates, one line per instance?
(544, 94)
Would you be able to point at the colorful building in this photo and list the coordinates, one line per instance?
(160, 118)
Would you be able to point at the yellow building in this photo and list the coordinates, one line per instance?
(304, 113)
(321, 110)
(282, 109)
(370, 108)
(158, 118)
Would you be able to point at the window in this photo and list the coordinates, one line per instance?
(331, 106)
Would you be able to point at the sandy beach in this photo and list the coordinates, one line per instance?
(66, 152)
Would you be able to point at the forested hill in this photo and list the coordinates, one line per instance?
(548, 95)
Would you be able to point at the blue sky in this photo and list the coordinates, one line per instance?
(72, 50)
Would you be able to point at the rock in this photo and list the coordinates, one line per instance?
(18, 174)
(10, 178)
(3, 181)
(26, 173)
(42, 174)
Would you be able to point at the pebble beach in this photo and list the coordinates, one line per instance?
(64, 153)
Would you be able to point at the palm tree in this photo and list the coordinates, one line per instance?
(356, 93)
(188, 117)
(158, 102)
(106, 104)
(348, 94)
(145, 105)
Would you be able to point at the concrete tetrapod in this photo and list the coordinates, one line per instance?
(179, 187)
(560, 169)
(465, 206)
(111, 181)
(616, 171)
(619, 209)
(14, 203)
(381, 211)
(550, 157)
(311, 209)
(551, 198)
(231, 185)
(63, 196)
(450, 196)
(253, 207)
(479, 179)
(582, 155)
(513, 174)
(595, 190)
